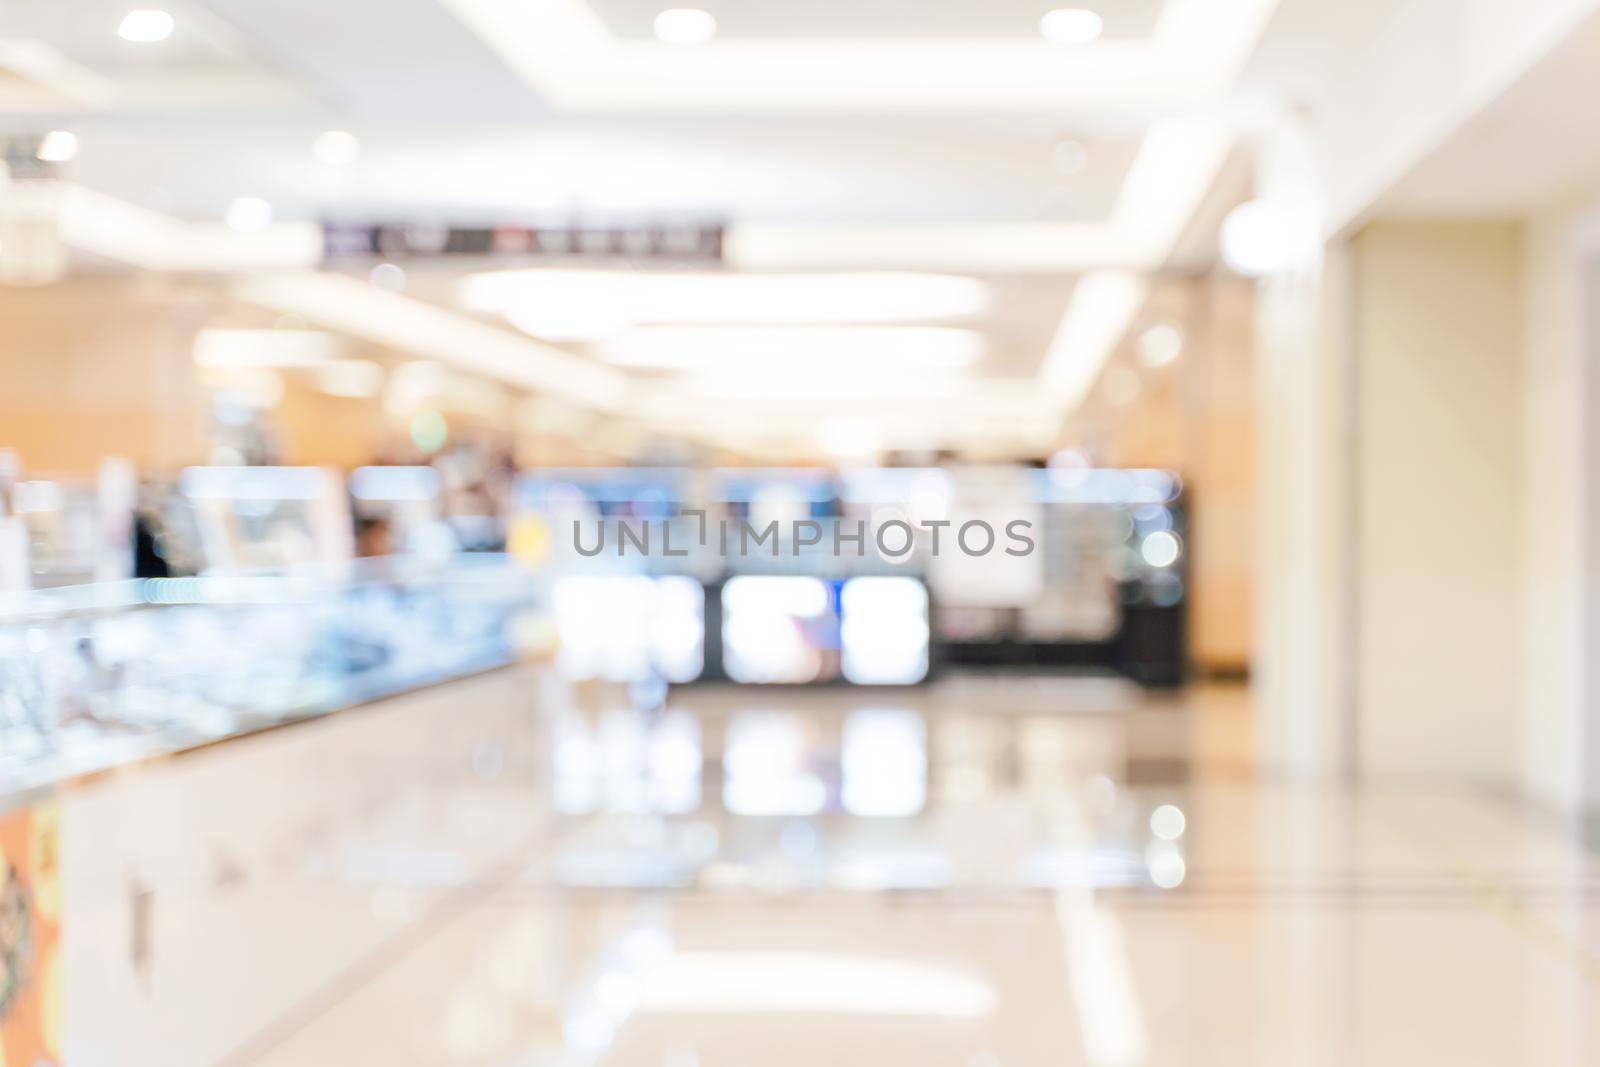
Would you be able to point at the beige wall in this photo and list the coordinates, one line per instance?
(98, 367)
(1197, 416)
(1430, 518)
(1438, 343)
(102, 366)
(317, 430)
(1553, 680)
(1302, 665)
(1221, 465)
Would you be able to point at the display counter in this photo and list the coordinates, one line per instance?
(197, 852)
(96, 677)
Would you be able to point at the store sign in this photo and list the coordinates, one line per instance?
(699, 243)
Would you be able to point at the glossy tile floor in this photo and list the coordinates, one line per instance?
(991, 872)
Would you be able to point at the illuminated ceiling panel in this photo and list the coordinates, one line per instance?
(857, 19)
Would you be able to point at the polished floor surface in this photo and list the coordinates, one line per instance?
(991, 872)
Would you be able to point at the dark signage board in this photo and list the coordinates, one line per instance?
(357, 241)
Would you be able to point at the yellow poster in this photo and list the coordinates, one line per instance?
(30, 900)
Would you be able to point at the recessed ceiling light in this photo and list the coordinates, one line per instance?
(145, 25)
(58, 146)
(1102, 306)
(249, 214)
(685, 25)
(1071, 25)
(1252, 239)
(1159, 345)
(1069, 157)
(336, 148)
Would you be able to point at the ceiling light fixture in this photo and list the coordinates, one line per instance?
(1253, 239)
(248, 214)
(353, 307)
(232, 349)
(592, 305)
(1098, 313)
(145, 26)
(114, 229)
(57, 146)
(685, 26)
(1071, 25)
(802, 350)
(336, 148)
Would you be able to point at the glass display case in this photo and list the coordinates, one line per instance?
(94, 675)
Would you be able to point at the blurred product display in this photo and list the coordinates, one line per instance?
(1094, 578)
(91, 676)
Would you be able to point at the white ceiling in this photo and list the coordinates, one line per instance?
(573, 59)
(842, 171)
(72, 51)
(868, 134)
(840, 19)
(1529, 149)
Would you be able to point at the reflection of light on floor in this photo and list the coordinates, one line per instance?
(625, 853)
(575, 768)
(773, 982)
(884, 763)
(1167, 822)
(628, 763)
(1109, 1014)
(600, 1007)
(885, 868)
(966, 752)
(1082, 866)
(622, 761)
(1166, 864)
(675, 761)
(764, 763)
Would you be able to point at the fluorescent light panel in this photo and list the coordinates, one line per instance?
(350, 306)
(1098, 315)
(128, 233)
(796, 351)
(568, 305)
(225, 349)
